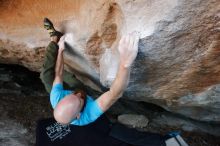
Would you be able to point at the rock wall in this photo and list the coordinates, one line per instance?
(178, 65)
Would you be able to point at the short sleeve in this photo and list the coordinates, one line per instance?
(95, 111)
(57, 93)
(91, 112)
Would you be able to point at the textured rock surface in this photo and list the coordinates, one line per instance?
(135, 121)
(23, 103)
(178, 65)
(13, 133)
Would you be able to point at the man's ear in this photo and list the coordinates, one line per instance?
(78, 116)
(78, 94)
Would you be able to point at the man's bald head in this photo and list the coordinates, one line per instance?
(68, 108)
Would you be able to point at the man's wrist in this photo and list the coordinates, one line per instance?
(60, 50)
(124, 66)
(54, 39)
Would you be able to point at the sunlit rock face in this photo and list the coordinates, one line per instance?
(178, 64)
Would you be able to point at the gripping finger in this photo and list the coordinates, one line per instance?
(131, 42)
(136, 40)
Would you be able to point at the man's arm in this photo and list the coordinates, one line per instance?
(128, 48)
(59, 63)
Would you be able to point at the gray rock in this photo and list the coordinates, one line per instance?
(135, 121)
(5, 77)
(13, 133)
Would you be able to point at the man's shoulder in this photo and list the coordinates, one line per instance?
(57, 93)
(91, 107)
(90, 112)
(56, 87)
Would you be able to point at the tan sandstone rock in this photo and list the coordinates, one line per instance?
(178, 65)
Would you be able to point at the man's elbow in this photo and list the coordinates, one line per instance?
(58, 75)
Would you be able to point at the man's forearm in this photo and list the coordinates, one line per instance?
(59, 64)
(121, 81)
(106, 100)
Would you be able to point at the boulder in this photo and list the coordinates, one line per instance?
(178, 64)
(132, 120)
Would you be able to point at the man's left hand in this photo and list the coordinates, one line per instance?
(61, 43)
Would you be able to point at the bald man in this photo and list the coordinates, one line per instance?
(74, 106)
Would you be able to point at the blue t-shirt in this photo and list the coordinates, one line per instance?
(90, 112)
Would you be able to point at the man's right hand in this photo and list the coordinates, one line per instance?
(128, 48)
